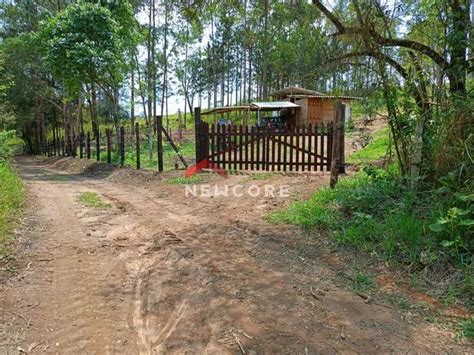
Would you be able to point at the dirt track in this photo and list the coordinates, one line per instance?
(159, 272)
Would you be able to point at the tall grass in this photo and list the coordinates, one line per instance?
(11, 199)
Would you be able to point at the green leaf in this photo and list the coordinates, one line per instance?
(435, 227)
(448, 243)
(442, 220)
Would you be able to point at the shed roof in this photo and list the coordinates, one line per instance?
(325, 97)
(293, 90)
(254, 106)
(274, 105)
(225, 109)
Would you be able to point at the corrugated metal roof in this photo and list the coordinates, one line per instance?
(274, 105)
(326, 97)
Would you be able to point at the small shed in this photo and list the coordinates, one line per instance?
(316, 107)
(281, 112)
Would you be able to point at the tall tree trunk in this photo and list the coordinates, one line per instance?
(150, 99)
(164, 97)
(79, 111)
(132, 98)
(93, 109)
(264, 92)
(250, 76)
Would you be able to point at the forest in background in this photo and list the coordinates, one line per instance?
(69, 64)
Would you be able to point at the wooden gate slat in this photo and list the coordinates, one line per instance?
(298, 150)
(321, 147)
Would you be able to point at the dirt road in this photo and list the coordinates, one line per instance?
(160, 272)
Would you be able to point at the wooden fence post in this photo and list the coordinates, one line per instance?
(81, 145)
(122, 146)
(336, 143)
(197, 133)
(342, 160)
(58, 144)
(88, 145)
(72, 145)
(159, 141)
(108, 133)
(97, 145)
(137, 143)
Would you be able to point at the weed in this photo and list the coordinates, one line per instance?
(93, 200)
(364, 282)
(467, 328)
(452, 293)
(400, 301)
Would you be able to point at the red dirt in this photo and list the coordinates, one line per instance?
(163, 273)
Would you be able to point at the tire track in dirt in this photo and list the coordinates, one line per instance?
(163, 273)
(75, 312)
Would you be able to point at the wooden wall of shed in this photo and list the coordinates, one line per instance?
(315, 110)
(320, 110)
(302, 116)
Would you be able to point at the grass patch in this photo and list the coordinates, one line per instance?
(400, 302)
(467, 328)
(11, 199)
(262, 176)
(93, 200)
(195, 179)
(364, 282)
(375, 150)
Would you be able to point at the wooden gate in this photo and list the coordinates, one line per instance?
(237, 147)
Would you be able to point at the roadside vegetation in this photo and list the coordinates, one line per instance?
(11, 192)
(376, 149)
(377, 210)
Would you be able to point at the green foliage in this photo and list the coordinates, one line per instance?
(85, 43)
(452, 143)
(93, 200)
(376, 212)
(467, 328)
(10, 144)
(375, 150)
(11, 199)
(368, 108)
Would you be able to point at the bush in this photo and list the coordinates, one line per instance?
(10, 145)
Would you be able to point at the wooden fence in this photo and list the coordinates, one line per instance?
(118, 146)
(231, 147)
(237, 147)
